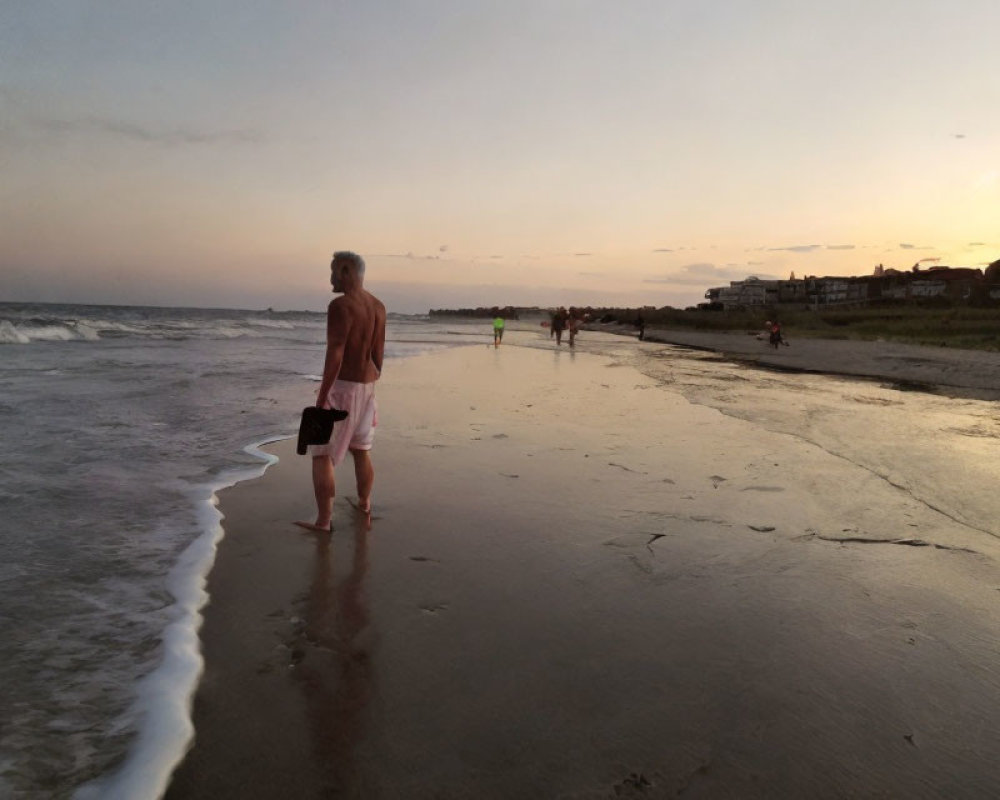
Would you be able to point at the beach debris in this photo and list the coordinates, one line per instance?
(627, 469)
(909, 738)
(761, 528)
(653, 538)
(716, 480)
(500, 436)
(423, 558)
(509, 475)
(906, 542)
(433, 608)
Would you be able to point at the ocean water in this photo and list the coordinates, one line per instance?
(119, 425)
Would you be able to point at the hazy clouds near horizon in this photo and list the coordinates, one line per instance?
(533, 152)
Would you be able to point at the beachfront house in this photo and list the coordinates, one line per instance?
(955, 284)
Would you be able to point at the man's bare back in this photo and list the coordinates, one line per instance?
(357, 320)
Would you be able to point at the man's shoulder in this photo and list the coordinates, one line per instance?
(375, 302)
(359, 303)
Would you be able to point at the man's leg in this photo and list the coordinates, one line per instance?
(324, 488)
(364, 472)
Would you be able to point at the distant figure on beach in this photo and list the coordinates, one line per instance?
(574, 323)
(497, 331)
(775, 337)
(559, 320)
(355, 346)
(640, 323)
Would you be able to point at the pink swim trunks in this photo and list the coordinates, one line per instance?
(357, 432)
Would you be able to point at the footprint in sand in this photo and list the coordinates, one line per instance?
(716, 480)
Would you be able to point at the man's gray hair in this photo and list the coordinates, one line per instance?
(352, 260)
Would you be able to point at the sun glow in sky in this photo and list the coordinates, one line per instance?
(570, 152)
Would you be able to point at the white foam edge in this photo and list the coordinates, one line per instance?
(164, 697)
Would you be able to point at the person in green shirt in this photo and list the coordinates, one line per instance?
(497, 331)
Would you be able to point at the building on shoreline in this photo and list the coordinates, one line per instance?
(964, 285)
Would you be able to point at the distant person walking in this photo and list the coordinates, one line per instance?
(355, 346)
(559, 320)
(498, 324)
(574, 324)
(640, 323)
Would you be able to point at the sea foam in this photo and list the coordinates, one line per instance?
(164, 697)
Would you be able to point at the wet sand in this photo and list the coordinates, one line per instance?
(579, 584)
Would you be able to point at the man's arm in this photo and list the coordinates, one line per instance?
(336, 339)
(378, 341)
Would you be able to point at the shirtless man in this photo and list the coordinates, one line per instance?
(355, 345)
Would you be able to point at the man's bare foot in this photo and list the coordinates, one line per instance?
(364, 506)
(313, 526)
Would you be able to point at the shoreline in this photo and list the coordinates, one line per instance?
(970, 374)
(577, 583)
(164, 698)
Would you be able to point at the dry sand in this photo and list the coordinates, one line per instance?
(578, 584)
(949, 371)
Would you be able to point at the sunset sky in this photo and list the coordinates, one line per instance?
(570, 152)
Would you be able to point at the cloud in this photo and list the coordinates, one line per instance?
(582, 254)
(704, 274)
(959, 135)
(976, 244)
(663, 250)
(592, 274)
(797, 248)
(907, 246)
(922, 260)
(840, 247)
(409, 256)
(443, 248)
(138, 133)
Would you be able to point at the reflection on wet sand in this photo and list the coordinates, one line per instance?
(337, 670)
